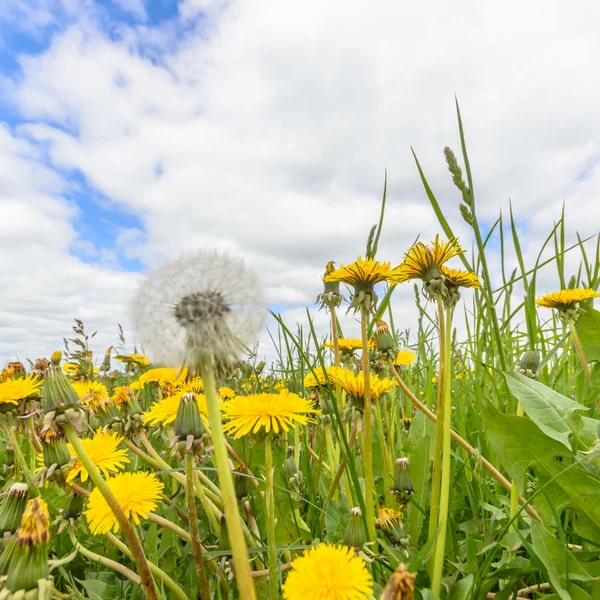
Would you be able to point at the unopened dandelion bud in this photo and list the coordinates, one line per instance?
(56, 358)
(530, 361)
(56, 453)
(188, 421)
(57, 392)
(9, 458)
(402, 480)
(384, 339)
(73, 506)
(224, 543)
(106, 362)
(354, 536)
(12, 508)
(331, 296)
(240, 482)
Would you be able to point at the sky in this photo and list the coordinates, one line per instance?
(134, 130)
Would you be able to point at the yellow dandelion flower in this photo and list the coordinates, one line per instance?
(70, 368)
(269, 411)
(354, 383)
(226, 393)
(164, 411)
(137, 493)
(424, 262)
(195, 386)
(363, 272)
(405, 357)
(566, 299)
(13, 390)
(104, 451)
(121, 395)
(137, 360)
(35, 523)
(320, 377)
(328, 572)
(92, 393)
(162, 374)
(346, 344)
(460, 278)
(387, 518)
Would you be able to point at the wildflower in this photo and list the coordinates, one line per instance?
(188, 421)
(354, 536)
(406, 423)
(17, 367)
(14, 390)
(70, 368)
(226, 393)
(204, 304)
(6, 374)
(348, 345)
(161, 374)
(460, 278)
(565, 301)
(133, 360)
(400, 585)
(103, 450)
(328, 572)
(331, 296)
(12, 507)
(320, 377)
(530, 361)
(390, 521)
(121, 395)
(164, 411)
(405, 358)
(363, 275)
(39, 367)
(354, 383)
(92, 393)
(403, 485)
(137, 493)
(268, 412)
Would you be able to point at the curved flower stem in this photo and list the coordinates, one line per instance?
(19, 458)
(203, 586)
(336, 355)
(440, 543)
(436, 477)
(33, 438)
(158, 572)
(107, 562)
(505, 483)
(234, 521)
(579, 351)
(137, 551)
(368, 432)
(270, 514)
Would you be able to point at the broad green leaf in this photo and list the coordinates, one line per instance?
(548, 409)
(588, 330)
(520, 445)
(463, 590)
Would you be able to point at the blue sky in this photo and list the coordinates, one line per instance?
(134, 130)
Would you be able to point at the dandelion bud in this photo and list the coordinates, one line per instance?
(56, 453)
(73, 506)
(240, 482)
(354, 536)
(12, 508)
(384, 340)
(57, 392)
(331, 296)
(530, 361)
(106, 362)
(56, 358)
(188, 421)
(27, 562)
(403, 484)
(224, 543)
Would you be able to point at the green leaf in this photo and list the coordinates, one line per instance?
(588, 330)
(520, 445)
(463, 590)
(548, 409)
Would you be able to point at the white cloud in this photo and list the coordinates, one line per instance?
(136, 7)
(265, 130)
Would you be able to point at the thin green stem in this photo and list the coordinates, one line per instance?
(270, 514)
(19, 458)
(201, 578)
(234, 521)
(137, 551)
(514, 491)
(368, 432)
(579, 351)
(336, 355)
(440, 543)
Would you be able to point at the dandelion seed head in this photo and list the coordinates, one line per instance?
(204, 303)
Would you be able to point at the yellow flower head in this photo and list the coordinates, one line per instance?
(460, 278)
(137, 493)
(121, 395)
(354, 384)
(346, 345)
(425, 262)
(162, 374)
(387, 518)
(566, 299)
(13, 390)
(136, 360)
(320, 377)
(104, 451)
(70, 368)
(266, 411)
(328, 572)
(35, 524)
(226, 393)
(362, 273)
(164, 411)
(92, 393)
(405, 357)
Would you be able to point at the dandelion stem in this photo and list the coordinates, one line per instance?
(514, 491)
(368, 432)
(203, 586)
(234, 522)
(270, 514)
(440, 543)
(336, 354)
(19, 458)
(137, 552)
(579, 351)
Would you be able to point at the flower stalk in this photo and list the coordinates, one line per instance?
(579, 350)
(270, 514)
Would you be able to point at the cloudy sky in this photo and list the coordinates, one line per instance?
(132, 130)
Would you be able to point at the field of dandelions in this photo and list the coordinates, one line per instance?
(421, 464)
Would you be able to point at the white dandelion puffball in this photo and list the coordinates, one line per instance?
(200, 304)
